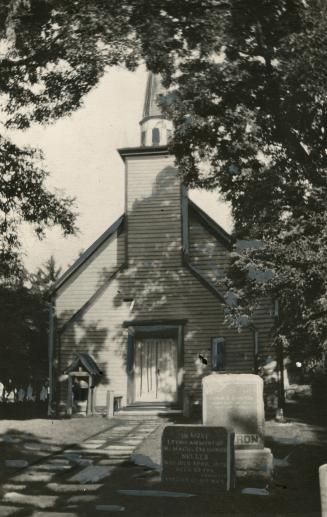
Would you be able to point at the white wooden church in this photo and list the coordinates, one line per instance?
(139, 312)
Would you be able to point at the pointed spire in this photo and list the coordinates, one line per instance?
(153, 89)
(155, 128)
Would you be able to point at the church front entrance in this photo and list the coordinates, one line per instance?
(155, 369)
(154, 364)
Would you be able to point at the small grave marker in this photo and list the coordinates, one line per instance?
(323, 489)
(198, 458)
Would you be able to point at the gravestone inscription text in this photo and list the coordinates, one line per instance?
(236, 402)
(198, 458)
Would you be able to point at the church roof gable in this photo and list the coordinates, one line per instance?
(211, 225)
(115, 227)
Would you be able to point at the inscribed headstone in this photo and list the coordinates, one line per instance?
(235, 401)
(198, 458)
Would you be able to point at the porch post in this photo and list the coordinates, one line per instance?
(89, 409)
(110, 404)
(50, 357)
(70, 395)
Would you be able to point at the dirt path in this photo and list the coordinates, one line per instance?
(65, 478)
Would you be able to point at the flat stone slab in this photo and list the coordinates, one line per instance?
(255, 491)
(293, 440)
(109, 508)
(90, 452)
(13, 487)
(16, 463)
(92, 474)
(38, 501)
(78, 459)
(235, 401)
(54, 514)
(91, 445)
(59, 461)
(154, 493)
(120, 447)
(71, 488)
(81, 499)
(35, 446)
(6, 511)
(34, 476)
(121, 429)
(53, 467)
(112, 461)
(144, 461)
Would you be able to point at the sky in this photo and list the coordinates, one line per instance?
(80, 152)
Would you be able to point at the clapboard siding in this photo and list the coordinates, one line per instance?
(98, 333)
(78, 289)
(211, 257)
(153, 286)
(153, 210)
(180, 296)
(206, 252)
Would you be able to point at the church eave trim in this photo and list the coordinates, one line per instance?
(149, 117)
(212, 226)
(115, 227)
(148, 150)
(77, 316)
(204, 281)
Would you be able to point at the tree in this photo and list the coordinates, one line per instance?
(23, 331)
(255, 114)
(248, 100)
(45, 277)
(24, 315)
(24, 197)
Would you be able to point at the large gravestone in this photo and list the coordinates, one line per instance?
(235, 401)
(198, 458)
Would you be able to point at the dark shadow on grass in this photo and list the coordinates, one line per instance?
(50, 483)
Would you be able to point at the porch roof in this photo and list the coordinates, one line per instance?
(84, 360)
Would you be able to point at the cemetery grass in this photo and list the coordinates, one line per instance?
(299, 447)
(34, 439)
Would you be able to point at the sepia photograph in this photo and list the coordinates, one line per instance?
(163, 258)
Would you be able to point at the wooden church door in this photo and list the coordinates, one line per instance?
(155, 370)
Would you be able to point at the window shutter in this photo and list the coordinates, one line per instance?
(218, 353)
(130, 353)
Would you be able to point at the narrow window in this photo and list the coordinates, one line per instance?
(155, 136)
(218, 353)
(143, 135)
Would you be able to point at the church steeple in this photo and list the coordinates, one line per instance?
(155, 128)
